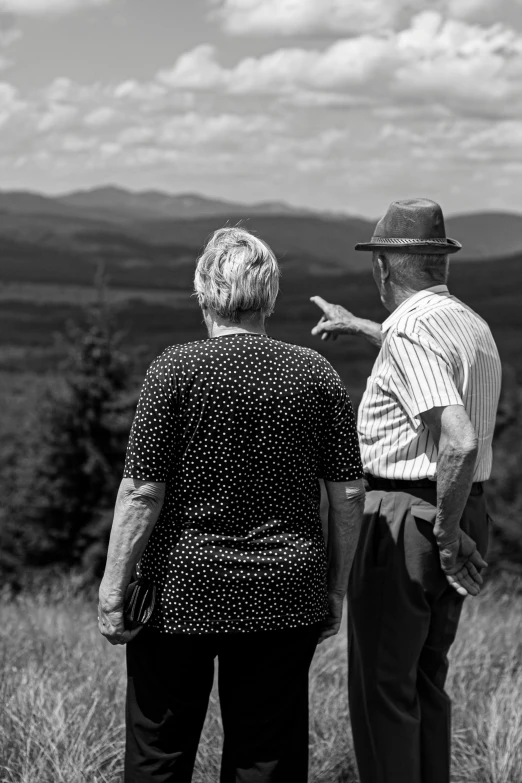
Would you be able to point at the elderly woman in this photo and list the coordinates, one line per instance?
(220, 505)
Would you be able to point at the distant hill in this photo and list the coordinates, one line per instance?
(486, 235)
(159, 235)
(154, 204)
(22, 203)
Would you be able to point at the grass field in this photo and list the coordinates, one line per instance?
(62, 691)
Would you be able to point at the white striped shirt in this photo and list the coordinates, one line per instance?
(436, 351)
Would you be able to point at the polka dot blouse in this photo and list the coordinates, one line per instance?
(240, 427)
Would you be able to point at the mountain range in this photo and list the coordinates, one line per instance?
(152, 238)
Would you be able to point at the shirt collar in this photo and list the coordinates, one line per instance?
(411, 303)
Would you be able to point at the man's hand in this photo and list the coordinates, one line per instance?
(456, 441)
(332, 623)
(111, 624)
(336, 320)
(462, 564)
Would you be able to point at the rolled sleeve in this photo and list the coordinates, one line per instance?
(426, 376)
(340, 455)
(152, 437)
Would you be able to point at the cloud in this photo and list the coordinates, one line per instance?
(8, 35)
(344, 65)
(503, 139)
(360, 114)
(130, 123)
(38, 7)
(486, 12)
(55, 116)
(302, 17)
(11, 103)
(103, 115)
(352, 17)
(434, 63)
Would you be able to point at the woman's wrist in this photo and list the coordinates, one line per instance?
(111, 597)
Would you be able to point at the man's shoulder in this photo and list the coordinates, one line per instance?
(439, 315)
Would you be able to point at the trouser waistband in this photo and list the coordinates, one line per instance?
(398, 485)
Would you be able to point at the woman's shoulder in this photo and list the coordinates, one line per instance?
(174, 356)
(303, 354)
(301, 350)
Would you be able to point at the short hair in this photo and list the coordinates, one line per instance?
(237, 273)
(409, 269)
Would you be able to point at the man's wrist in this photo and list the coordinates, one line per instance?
(361, 326)
(369, 329)
(446, 531)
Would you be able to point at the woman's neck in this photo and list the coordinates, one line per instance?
(217, 327)
(218, 330)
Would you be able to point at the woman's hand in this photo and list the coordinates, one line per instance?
(111, 623)
(332, 623)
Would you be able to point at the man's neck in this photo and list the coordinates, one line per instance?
(400, 295)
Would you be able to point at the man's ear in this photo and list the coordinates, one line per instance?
(383, 266)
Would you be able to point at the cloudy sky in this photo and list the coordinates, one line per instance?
(334, 104)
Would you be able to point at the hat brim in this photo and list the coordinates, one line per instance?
(425, 248)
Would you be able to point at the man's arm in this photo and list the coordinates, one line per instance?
(456, 441)
(345, 515)
(336, 320)
(138, 507)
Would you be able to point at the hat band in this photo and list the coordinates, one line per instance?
(407, 241)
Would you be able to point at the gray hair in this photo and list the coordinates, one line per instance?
(237, 273)
(411, 269)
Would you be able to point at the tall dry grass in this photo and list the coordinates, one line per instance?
(62, 691)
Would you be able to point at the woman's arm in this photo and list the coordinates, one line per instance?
(345, 515)
(138, 507)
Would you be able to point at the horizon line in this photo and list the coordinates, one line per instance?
(339, 214)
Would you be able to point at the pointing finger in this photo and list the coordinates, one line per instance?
(320, 302)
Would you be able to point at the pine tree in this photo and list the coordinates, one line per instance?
(67, 483)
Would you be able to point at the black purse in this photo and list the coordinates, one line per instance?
(139, 602)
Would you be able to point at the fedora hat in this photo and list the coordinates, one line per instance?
(415, 225)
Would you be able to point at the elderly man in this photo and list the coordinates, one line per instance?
(425, 428)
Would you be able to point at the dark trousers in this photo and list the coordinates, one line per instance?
(263, 692)
(402, 620)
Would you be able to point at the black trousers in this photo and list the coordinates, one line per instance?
(263, 692)
(402, 621)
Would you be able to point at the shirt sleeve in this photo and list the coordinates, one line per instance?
(425, 375)
(340, 458)
(152, 437)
